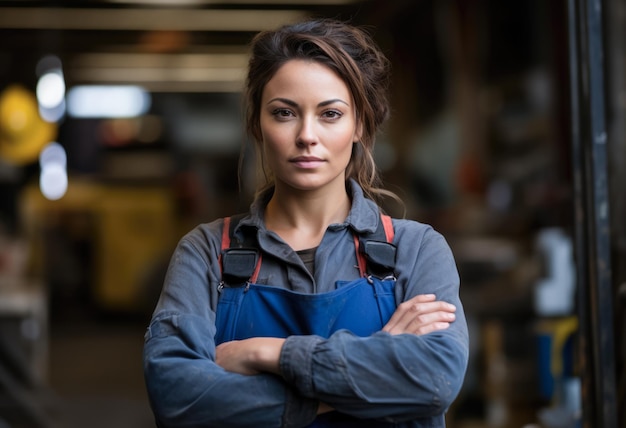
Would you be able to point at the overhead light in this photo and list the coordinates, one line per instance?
(53, 176)
(51, 89)
(146, 19)
(53, 153)
(103, 101)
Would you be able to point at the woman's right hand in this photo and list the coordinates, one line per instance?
(421, 315)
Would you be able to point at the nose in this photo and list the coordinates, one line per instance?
(306, 133)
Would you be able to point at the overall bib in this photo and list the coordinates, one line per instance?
(362, 306)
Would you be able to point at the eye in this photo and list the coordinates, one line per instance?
(332, 114)
(282, 113)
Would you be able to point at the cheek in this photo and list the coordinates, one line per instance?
(269, 143)
(271, 148)
(348, 142)
(266, 140)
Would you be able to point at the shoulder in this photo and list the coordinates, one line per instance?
(411, 229)
(205, 238)
(417, 236)
(424, 260)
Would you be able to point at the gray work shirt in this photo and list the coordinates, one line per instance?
(407, 379)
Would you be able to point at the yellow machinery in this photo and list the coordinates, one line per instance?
(132, 229)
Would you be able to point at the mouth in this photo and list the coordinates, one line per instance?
(306, 161)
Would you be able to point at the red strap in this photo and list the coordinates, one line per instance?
(360, 258)
(226, 234)
(389, 234)
(388, 226)
(225, 240)
(257, 269)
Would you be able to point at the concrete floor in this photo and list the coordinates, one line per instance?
(96, 375)
(94, 379)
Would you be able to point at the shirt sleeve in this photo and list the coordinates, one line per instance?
(394, 378)
(185, 386)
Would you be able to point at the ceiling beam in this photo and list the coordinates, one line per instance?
(145, 19)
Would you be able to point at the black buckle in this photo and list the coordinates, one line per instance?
(238, 265)
(381, 257)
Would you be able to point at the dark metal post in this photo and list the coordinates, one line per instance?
(584, 361)
(593, 256)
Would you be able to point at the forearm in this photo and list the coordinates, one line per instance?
(250, 356)
(395, 377)
(187, 388)
(253, 356)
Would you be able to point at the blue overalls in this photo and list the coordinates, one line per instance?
(362, 306)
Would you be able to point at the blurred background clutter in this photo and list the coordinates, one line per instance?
(121, 128)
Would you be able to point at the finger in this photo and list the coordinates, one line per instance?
(220, 351)
(414, 310)
(422, 326)
(422, 298)
(424, 320)
(405, 307)
(430, 328)
(419, 322)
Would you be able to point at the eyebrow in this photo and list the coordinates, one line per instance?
(294, 104)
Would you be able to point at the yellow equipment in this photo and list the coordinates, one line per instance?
(22, 131)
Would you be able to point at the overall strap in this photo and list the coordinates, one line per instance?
(375, 252)
(240, 262)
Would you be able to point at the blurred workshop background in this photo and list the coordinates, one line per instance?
(121, 128)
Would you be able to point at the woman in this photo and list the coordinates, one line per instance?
(309, 311)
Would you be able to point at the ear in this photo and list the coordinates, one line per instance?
(359, 132)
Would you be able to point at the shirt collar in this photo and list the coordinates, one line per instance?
(363, 216)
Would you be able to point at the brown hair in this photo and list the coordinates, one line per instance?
(348, 51)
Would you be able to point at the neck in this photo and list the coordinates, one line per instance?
(301, 218)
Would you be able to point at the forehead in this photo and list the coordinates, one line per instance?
(306, 77)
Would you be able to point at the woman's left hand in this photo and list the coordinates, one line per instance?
(250, 356)
(421, 315)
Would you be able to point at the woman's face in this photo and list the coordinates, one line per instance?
(308, 126)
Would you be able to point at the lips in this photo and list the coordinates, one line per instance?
(306, 161)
